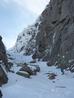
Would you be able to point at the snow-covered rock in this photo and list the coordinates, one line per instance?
(26, 40)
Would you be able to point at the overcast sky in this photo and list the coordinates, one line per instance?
(15, 15)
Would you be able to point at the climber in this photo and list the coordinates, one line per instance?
(62, 63)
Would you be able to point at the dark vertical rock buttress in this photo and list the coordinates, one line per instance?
(56, 32)
(3, 62)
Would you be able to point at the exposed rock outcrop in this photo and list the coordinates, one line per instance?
(3, 76)
(56, 32)
(26, 40)
(51, 76)
(28, 70)
(52, 36)
(3, 63)
(1, 94)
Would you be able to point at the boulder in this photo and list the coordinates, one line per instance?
(51, 76)
(37, 68)
(34, 61)
(10, 64)
(27, 69)
(23, 74)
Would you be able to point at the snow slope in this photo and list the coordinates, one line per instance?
(39, 86)
(23, 40)
(26, 40)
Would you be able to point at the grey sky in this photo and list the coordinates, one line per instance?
(15, 15)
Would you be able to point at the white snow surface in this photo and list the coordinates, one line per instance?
(26, 40)
(38, 86)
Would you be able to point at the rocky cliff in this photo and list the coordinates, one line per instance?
(55, 33)
(3, 63)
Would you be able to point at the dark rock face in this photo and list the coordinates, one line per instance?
(3, 63)
(1, 94)
(3, 76)
(3, 55)
(56, 32)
